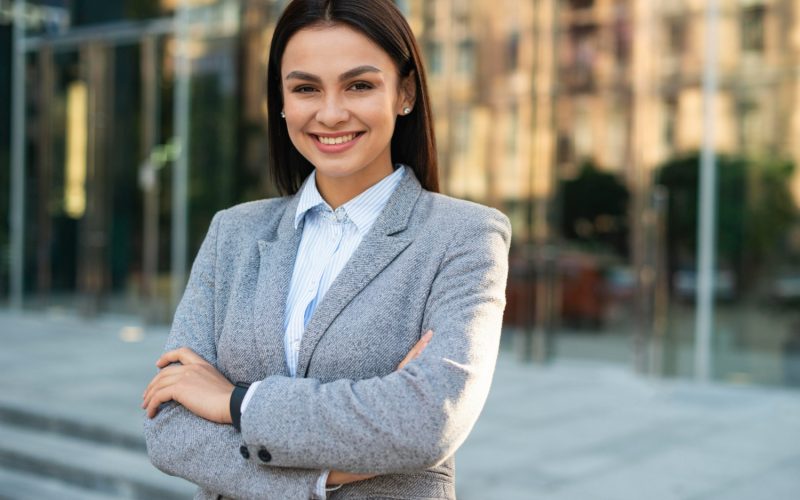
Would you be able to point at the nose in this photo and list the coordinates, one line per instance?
(332, 111)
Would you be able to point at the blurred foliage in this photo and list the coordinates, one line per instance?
(754, 210)
(595, 210)
(142, 9)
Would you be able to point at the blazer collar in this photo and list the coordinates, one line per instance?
(387, 238)
(380, 246)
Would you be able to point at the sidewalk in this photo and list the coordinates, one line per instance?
(573, 430)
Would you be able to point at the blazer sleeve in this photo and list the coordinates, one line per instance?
(206, 453)
(414, 418)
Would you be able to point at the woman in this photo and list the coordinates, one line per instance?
(315, 304)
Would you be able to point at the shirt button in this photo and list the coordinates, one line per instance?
(264, 455)
(244, 451)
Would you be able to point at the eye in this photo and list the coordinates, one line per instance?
(303, 89)
(361, 86)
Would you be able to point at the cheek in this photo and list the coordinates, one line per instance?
(297, 116)
(378, 113)
(295, 129)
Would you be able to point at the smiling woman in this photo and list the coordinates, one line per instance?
(338, 341)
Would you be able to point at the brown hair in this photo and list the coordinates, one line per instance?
(413, 141)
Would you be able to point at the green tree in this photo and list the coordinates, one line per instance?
(595, 207)
(754, 210)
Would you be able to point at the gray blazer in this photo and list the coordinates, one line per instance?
(429, 262)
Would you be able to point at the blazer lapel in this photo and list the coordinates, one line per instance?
(378, 248)
(274, 275)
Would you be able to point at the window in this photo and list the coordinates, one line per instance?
(404, 7)
(512, 50)
(670, 124)
(466, 57)
(434, 53)
(752, 26)
(563, 148)
(581, 4)
(676, 35)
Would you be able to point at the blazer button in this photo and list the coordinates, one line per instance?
(264, 455)
(244, 451)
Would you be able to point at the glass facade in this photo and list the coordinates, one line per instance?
(581, 120)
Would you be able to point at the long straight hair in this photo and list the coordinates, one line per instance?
(413, 141)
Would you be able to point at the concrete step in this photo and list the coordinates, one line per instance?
(16, 485)
(48, 421)
(104, 469)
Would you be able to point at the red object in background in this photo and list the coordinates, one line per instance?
(581, 286)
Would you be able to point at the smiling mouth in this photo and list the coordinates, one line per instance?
(330, 141)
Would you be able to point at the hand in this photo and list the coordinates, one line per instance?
(195, 383)
(338, 477)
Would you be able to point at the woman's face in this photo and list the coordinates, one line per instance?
(342, 95)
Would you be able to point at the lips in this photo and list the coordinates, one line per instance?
(336, 143)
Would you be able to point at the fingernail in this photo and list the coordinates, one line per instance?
(428, 335)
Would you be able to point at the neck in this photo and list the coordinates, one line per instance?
(336, 191)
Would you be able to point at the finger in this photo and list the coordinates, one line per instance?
(417, 349)
(408, 358)
(421, 344)
(159, 397)
(183, 355)
(339, 477)
(427, 337)
(163, 373)
(164, 381)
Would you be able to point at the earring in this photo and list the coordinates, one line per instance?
(406, 110)
(283, 115)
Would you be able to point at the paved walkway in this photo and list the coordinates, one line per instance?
(573, 430)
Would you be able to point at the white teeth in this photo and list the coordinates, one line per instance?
(336, 140)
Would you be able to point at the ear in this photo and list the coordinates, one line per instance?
(408, 91)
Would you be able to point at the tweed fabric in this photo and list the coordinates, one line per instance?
(429, 261)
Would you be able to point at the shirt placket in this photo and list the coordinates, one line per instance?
(332, 226)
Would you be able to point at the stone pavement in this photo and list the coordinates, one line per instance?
(70, 426)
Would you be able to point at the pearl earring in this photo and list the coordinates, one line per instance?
(406, 110)
(283, 115)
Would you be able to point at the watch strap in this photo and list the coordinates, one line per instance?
(237, 396)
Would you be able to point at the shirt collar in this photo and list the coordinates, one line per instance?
(363, 210)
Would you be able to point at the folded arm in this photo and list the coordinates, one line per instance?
(414, 418)
(206, 453)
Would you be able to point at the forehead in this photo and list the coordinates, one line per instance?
(332, 50)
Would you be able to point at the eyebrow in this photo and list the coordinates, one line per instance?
(352, 73)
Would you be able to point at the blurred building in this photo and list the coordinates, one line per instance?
(142, 119)
(614, 64)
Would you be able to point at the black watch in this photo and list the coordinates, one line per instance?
(237, 396)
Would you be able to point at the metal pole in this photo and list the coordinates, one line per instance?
(660, 286)
(181, 166)
(706, 234)
(639, 180)
(151, 184)
(17, 195)
(544, 184)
